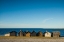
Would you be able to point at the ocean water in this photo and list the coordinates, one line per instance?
(7, 30)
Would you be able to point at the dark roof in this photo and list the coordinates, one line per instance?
(56, 31)
(13, 31)
(21, 31)
(33, 32)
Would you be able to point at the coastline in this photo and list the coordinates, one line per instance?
(24, 37)
(31, 39)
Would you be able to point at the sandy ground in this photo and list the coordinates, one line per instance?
(31, 40)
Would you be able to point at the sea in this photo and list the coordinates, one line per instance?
(4, 31)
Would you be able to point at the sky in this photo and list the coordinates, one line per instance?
(31, 13)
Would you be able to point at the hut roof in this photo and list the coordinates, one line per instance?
(33, 32)
(13, 31)
(56, 31)
(21, 31)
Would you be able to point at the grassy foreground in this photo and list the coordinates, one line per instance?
(15, 37)
(30, 39)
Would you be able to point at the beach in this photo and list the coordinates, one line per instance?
(30, 39)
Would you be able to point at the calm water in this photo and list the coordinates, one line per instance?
(7, 30)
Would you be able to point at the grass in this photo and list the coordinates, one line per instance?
(15, 37)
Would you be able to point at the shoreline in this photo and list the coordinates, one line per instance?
(14, 37)
(31, 39)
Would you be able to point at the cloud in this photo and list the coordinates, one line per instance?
(13, 25)
(31, 25)
(45, 20)
(18, 25)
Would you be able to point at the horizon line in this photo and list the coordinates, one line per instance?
(35, 27)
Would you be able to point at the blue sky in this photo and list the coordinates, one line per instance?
(31, 13)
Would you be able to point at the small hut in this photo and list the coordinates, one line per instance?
(24, 33)
(13, 33)
(20, 33)
(28, 34)
(8, 34)
(39, 34)
(47, 34)
(33, 33)
(56, 33)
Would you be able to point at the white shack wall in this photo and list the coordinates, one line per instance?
(48, 34)
(7, 34)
